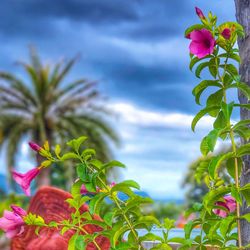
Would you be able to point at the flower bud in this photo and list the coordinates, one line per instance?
(199, 13)
(226, 33)
(35, 146)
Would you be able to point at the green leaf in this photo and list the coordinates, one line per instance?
(127, 183)
(198, 90)
(112, 164)
(212, 139)
(34, 220)
(69, 156)
(220, 122)
(213, 196)
(190, 226)
(230, 68)
(163, 246)
(96, 202)
(213, 66)
(204, 148)
(87, 153)
(193, 27)
(168, 224)
(227, 109)
(193, 61)
(76, 143)
(81, 171)
(76, 187)
(64, 230)
(201, 114)
(245, 106)
(245, 190)
(242, 123)
(243, 150)
(118, 234)
(150, 237)
(230, 165)
(80, 243)
(225, 225)
(213, 100)
(216, 162)
(46, 163)
(246, 217)
(58, 151)
(122, 246)
(148, 221)
(200, 68)
(71, 244)
(243, 87)
(235, 192)
(233, 56)
(108, 218)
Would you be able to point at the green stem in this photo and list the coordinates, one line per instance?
(237, 188)
(236, 167)
(81, 229)
(116, 201)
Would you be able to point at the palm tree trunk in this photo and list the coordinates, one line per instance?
(43, 179)
(243, 17)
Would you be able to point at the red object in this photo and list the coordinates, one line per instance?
(49, 202)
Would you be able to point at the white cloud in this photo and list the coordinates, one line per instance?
(141, 117)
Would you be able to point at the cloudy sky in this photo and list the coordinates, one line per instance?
(136, 49)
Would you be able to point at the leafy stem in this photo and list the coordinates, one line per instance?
(236, 167)
(116, 201)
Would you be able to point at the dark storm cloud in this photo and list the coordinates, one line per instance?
(20, 16)
(118, 40)
(142, 18)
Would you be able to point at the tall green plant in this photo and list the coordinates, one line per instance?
(213, 48)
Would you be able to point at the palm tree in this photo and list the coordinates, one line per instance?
(44, 107)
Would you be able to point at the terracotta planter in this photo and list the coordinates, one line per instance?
(49, 202)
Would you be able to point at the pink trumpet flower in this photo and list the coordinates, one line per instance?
(202, 44)
(229, 204)
(12, 222)
(24, 180)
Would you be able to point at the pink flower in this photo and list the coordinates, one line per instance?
(202, 44)
(226, 33)
(229, 204)
(84, 190)
(12, 222)
(24, 180)
(35, 146)
(112, 184)
(199, 13)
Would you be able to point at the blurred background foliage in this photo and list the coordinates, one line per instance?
(47, 106)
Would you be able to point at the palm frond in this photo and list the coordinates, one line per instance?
(58, 79)
(19, 86)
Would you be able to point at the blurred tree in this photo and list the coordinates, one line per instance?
(195, 178)
(162, 210)
(45, 107)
